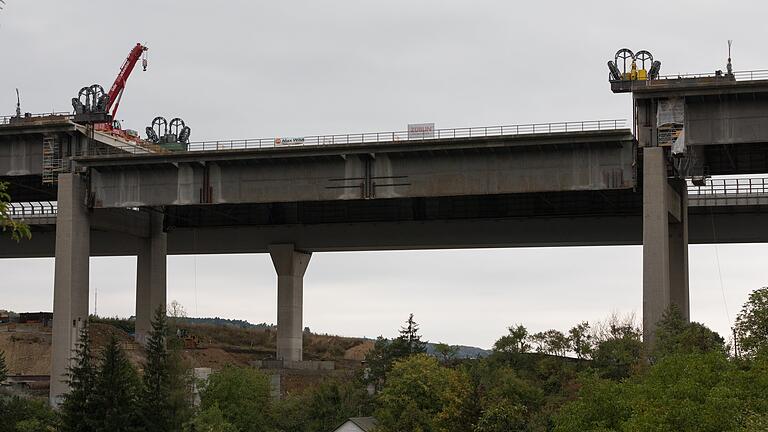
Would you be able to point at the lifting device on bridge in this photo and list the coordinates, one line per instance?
(630, 71)
(94, 106)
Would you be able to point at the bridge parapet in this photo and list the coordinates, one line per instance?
(400, 136)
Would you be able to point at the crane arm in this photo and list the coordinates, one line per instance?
(116, 91)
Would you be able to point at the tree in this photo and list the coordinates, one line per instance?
(26, 415)
(3, 368)
(581, 340)
(515, 342)
(243, 395)
(674, 335)
(115, 395)
(322, 407)
(446, 352)
(76, 406)
(421, 395)
(617, 350)
(502, 417)
(17, 229)
(212, 419)
(752, 324)
(553, 342)
(386, 352)
(409, 336)
(160, 410)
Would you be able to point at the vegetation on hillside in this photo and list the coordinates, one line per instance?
(689, 382)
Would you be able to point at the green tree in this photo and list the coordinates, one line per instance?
(674, 335)
(620, 349)
(76, 406)
(157, 410)
(322, 407)
(410, 337)
(503, 417)
(581, 340)
(114, 405)
(553, 342)
(421, 395)
(212, 419)
(17, 229)
(243, 395)
(385, 352)
(25, 415)
(3, 368)
(515, 342)
(752, 324)
(446, 352)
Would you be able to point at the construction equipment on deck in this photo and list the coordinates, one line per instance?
(173, 135)
(630, 70)
(94, 106)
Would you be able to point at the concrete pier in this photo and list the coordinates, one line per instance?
(70, 292)
(151, 277)
(290, 266)
(665, 242)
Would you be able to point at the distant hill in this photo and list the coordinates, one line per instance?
(465, 352)
(216, 321)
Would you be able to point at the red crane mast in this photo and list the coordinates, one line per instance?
(116, 92)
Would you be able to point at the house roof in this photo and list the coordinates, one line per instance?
(366, 424)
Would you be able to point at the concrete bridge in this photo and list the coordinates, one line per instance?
(558, 184)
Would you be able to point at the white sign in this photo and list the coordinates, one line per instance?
(421, 130)
(289, 141)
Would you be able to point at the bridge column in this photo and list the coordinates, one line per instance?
(151, 277)
(290, 266)
(70, 286)
(665, 242)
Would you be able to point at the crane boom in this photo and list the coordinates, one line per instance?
(116, 91)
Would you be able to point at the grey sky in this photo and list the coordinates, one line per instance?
(249, 69)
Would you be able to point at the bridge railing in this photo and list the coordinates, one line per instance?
(730, 187)
(32, 210)
(752, 75)
(401, 136)
(4, 120)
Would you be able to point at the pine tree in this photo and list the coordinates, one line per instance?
(76, 405)
(155, 400)
(165, 401)
(410, 336)
(3, 368)
(114, 402)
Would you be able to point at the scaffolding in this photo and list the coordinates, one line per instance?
(51, 159)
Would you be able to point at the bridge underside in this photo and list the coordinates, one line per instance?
(587, 218)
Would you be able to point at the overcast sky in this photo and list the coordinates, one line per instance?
(251, 69)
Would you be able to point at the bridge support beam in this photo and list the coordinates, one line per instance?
(70, 287)
(290, 266)
(151, 276)
(665, 243)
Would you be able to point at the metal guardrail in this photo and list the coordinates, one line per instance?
(752, 75)
(403, 136)
(733, 187)
(33, 210)
(4, 120)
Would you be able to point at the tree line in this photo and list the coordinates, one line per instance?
(591, 378)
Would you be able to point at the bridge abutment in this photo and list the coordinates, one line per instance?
(290, 265)
(70, 291)
(151, 276)
(665, 243)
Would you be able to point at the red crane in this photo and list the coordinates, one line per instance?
(116, 92)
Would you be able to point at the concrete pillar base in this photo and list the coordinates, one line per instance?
(290, 266)
(70, 286)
